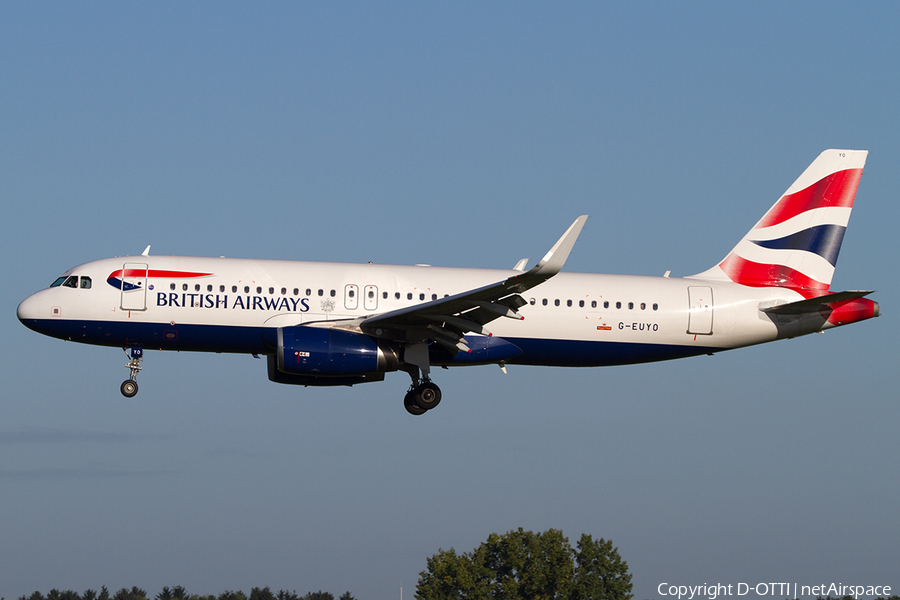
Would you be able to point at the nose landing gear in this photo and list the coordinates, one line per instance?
(129, 387)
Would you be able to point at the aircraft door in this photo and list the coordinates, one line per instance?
(371, 299)
(700, 317)
(134, 286)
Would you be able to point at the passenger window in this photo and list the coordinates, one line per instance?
(556, 302)
(434, 296)
(606, 304)
(296, 291)
(569, 303)
(581, 304)
(643, 306)
(197, 287)
(234, 289)
(284, 291)
(271, 290)
(630, 305)
(409, 296)
(384, 295)
(222, 288)
(397, 295)
(172, 286)
(351, 293)
(259, 289)
(656, 307)
(308, 292)
(544, 302)
(85, 283)
(332, 293)
(184, 287)
(532, 301)
(618, 305)
(246, 289)
(593, 304)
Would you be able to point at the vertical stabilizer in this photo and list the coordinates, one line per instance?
(796, 243)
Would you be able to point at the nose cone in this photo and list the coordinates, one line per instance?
(30, 311)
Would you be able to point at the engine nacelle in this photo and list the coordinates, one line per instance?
(326, 352)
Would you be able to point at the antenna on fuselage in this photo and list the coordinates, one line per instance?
(146, 251)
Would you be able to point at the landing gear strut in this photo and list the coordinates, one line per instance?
(129, 387)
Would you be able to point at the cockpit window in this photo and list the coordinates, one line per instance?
(72, 282)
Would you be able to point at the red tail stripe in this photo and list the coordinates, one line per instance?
(837, 189)
(740, 270)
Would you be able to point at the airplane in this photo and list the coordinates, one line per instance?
(329, 324)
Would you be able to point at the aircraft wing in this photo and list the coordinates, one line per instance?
(446, 320)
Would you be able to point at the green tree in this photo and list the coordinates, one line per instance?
(449, 575)
(600, 573)
(320, 595)
(521, 565)
(135, 593)
(347, 596)
(261, 594)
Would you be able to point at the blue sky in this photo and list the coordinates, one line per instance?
(468, 134)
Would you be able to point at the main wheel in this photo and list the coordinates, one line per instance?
(427, 395)
(410, 405)
(129, 388)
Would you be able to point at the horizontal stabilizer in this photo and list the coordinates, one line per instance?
(811, 305)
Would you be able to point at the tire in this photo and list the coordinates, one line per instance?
(427, 396)
(410, 405)
(129, 388)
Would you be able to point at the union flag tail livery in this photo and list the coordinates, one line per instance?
(796, 243)
(333, 324)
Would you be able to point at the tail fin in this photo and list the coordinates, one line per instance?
(796, 243)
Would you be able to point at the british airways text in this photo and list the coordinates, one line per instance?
(240, 302)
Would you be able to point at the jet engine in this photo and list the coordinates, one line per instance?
(324, 356)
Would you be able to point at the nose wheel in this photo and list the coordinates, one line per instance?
(129, 387)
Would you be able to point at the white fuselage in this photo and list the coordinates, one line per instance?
(236, 305)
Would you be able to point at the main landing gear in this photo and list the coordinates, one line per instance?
(423, 394)
(129, 387)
